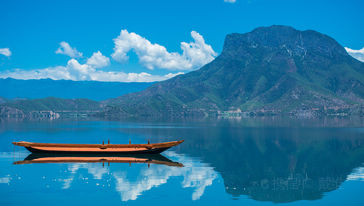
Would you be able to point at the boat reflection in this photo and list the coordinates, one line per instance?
(104, 158)
(130, 182)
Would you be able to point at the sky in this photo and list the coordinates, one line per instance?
(143, 40)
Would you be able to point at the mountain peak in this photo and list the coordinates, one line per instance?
(295, 42)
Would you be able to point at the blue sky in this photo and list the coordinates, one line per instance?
(31, 33)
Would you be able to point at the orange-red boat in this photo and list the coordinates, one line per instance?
(155, 148)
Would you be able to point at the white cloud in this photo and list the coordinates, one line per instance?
(98, 60)
(195, 54)
(88, 71)
(66, 49)
(5, 52)
(230, 1)
(78, 72)
(357, 54)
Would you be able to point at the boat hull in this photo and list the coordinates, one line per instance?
(146, 151)
(155, 148)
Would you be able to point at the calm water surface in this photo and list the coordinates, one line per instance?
(224, 163)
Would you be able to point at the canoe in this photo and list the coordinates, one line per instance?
(155, 148)
(84, 158)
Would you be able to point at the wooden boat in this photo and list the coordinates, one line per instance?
(84, 158)
(155, 148)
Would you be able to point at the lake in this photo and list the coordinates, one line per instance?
(225, 162)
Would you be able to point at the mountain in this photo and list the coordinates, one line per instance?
(274, 70)
(42, 88)
(48, 108)
(49, 99)
(54, 104)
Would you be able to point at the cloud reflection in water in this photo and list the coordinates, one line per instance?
(357, 174)
(195, 175)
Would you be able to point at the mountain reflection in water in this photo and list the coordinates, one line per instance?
(273, 164)
(218, 164)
